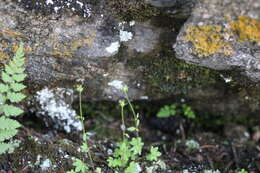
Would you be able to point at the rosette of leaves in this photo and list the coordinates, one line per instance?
(11, 86)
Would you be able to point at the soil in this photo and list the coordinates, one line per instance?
(227, 146)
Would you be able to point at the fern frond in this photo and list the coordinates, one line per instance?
(10, 89)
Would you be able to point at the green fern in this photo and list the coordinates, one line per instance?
(10, 93)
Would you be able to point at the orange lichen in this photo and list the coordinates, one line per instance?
(26, 49)
(247, 28)
(67, 49)
(208, 40)
(3, 56)
(11, 33)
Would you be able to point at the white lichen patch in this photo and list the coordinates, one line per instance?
(132, 23)
(125, 35)
(46, 164)
(116, 84)
(55, 111)
(49, 2)
(226, 79)
(113, 48)
(192, 144)
(78, 6)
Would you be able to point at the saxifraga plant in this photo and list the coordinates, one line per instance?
(79, 164)
(12, 77)
(128, 151)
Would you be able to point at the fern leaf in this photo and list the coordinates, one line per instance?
(4, 147)
(19, 70)
(19, 63)
(7, 123)
(2, 98)
(7, 134)
(16, 87)
(8, 147)
(12, 65)
(19, 77)
(19, 53)
(9, 70)
(3, 88)
(6, 78)
(15, 97)
(10, 110)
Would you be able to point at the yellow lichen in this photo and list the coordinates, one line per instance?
(11, 33)
(67, 49)
(208, 40)
(247, 28)
(26, 49)
(3, 56)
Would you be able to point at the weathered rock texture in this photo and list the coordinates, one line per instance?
(104, 45)
(223, 35)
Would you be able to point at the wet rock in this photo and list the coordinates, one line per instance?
(223, 36)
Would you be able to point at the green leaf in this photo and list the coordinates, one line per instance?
(167, 111)
(6, 78)
(80, 166)
(71, 171)
(2, 99)
(132, 168)
(10, 110)
(19, 77)
(20, 52)
(131, 129)
(7, 134)
(122, 153)
(154, 154)
(15, 97)
(84, 147)
(137, 145)
(17, 86)
(9, 70)
(4, 88)
(7, 123)
(19, 70)
(4, 147)
(188, 112)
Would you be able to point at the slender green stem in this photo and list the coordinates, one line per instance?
(133, 111)
(84, 132)
(123, 122)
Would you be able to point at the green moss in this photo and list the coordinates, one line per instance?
(168, 74)
(132, 10)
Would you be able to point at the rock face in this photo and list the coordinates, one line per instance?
(223, 35)
(104, 45)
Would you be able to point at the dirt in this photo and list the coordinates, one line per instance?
(227, 146)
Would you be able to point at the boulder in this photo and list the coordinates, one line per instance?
(104, 45)
(223, 35)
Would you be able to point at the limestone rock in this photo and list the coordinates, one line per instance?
(223, 35)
